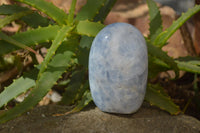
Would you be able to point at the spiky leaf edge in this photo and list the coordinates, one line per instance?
(162, 38)
(155, 97)
(48, 78)
(48, 8)
(155, 20)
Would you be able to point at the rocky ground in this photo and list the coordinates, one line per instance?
(92, 120)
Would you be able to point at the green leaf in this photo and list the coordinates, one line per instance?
(158, 53)
(158, 88)
(71, 13)
(160, 63)
(105, 9)
(18, 87)
(30, 38)
(156, 66)
(155, 20)
(48, 8)
(90, 10)
(83, 56)
(86, 41)
(14, 42)
(83, 50)
(9, 19)
(189, 64)
(88, 28)
(165, 35)
(86, 99)
(157, 98)
(188, 67)
(73, 88)
(11, 9)
(34, 19)
(61, 35)
(190, 59)
(84, 87)
(48, 78)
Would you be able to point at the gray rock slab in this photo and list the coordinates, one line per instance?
(92, 120)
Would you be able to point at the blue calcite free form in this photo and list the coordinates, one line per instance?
(118, 69)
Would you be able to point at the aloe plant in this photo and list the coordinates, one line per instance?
(160, 61)
(68, 39)
(64, 52)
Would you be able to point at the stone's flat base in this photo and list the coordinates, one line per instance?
(92, 120)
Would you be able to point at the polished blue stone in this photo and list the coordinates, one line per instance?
(118, 69)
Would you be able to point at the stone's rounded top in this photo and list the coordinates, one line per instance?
(119, 30)
(118, 67)
(122, 44)
(124, 27)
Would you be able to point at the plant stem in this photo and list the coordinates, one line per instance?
(187, 104)
(188, 42)
(52, 50)
(14, 42)
(71, 13)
